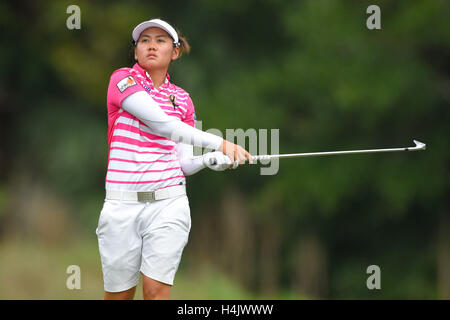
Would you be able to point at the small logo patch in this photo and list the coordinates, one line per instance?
(126, 83)
(173, 99)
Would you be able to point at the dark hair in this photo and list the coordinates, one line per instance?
(131, 52)
(184, 44)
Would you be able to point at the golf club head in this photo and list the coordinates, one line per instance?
(419, 145)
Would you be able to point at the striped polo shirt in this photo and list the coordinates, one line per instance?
(139, 160)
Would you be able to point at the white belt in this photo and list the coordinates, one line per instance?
(146, 196)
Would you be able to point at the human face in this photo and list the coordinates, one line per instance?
(155, 49)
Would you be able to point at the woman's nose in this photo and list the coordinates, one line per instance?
(152, 45)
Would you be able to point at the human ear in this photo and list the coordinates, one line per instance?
(175, 53)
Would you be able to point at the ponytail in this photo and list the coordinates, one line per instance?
(184, 45)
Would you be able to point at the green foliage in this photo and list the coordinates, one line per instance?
(308, 68)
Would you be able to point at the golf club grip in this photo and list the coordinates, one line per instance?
(212, 161)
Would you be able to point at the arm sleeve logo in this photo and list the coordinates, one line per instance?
(126, 83)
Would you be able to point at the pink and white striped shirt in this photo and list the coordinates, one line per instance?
(139, 160)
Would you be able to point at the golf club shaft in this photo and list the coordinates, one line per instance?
(419, 146)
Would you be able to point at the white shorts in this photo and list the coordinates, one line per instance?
(142, 237)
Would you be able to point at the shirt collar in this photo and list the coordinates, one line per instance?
(145, 74)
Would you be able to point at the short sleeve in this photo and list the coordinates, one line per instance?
(121, 85)
(190, 113)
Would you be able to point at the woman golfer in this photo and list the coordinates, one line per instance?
(145, 221)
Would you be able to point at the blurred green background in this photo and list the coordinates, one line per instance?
(309, 68)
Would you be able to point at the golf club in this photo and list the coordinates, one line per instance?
(418, 146)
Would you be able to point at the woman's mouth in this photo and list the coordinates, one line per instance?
(151, 56)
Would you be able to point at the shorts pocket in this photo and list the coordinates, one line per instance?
(179, 210)
(107, 206)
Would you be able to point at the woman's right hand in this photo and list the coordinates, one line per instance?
(236, 153)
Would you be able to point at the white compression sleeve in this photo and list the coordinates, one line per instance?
(189, 163)
(143, 107)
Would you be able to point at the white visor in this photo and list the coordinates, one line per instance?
(158, 24)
